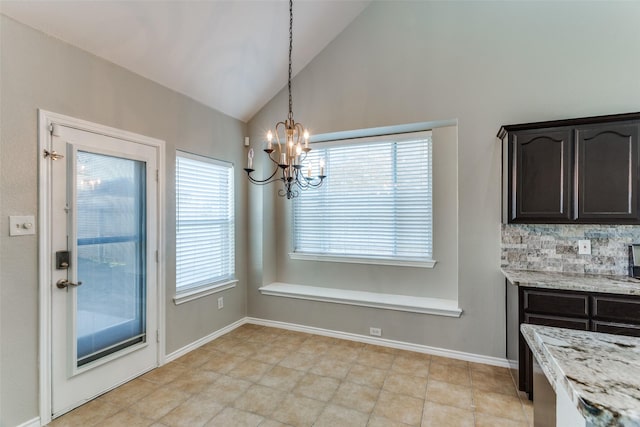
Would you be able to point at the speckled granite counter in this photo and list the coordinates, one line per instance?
(574, 281)
(600, 372)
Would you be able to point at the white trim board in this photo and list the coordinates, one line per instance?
(35, 422)
(400, 345)
(204, 340)
(423, 305)
(418, 348)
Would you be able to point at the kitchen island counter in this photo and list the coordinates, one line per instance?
(600, 373)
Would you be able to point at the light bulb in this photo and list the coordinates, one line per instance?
(269, 136)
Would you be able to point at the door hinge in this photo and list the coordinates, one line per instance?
(54, 129)
(157, 257)
(157, 175)
(157, 335)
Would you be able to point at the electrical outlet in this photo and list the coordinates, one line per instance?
(376, 332)
(584, 247)
(220, 303)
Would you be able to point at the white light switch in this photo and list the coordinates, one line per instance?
(584, 247)
(22, 225)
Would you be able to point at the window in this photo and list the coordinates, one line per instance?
(204, 223)
(375, 206)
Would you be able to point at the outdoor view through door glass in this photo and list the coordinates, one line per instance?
(111, 226)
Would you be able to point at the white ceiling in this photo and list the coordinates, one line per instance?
(228, 54)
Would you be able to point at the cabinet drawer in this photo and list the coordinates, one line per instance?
(557, 321)
(616, 328)
(626, 310)
(556, 303)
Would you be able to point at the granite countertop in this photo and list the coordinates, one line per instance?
(574, 281)
(600, 372)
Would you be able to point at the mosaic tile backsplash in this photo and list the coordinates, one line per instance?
(555, 247)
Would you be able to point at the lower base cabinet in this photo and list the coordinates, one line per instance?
(588, 311)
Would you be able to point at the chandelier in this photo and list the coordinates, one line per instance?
(291, 151)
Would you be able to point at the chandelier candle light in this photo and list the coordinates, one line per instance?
(292, 151)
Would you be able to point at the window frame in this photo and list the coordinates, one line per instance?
(398, 137)
(188, 293)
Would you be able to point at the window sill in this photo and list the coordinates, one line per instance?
(359, 260)
(423, 305)
(191, 294)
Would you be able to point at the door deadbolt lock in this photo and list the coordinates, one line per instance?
(62, 260)
(64, 283)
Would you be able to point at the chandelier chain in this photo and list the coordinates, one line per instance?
(290, 50)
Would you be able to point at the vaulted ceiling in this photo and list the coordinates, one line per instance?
(228, 54)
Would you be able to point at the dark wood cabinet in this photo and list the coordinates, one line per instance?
(588, 311)
(572, 171)
(616, 328)
(615, 309)
(540, 175)
(607, 172)
(551, 302)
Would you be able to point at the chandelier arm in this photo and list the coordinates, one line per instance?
(314, 182)
(300, 130)
(301, 185)
(260, 181)
(272, 159)
(266, 182)
(284, 125)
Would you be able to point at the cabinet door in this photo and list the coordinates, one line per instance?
(540, 176)
(556, 303)
(557, 321)
(607, 173)
(616, 309)
(616, 328)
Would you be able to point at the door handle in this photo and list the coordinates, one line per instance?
(64, 283)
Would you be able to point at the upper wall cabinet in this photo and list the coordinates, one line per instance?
(572, 171)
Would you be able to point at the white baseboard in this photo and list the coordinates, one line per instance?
(419, 348)
(31, 423)
(453, 354)
(204, 340)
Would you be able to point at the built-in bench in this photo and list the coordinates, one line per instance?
(412, 304)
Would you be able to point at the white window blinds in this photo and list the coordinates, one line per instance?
(204, 221)
(376, 201)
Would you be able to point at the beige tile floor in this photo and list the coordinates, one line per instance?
(259, 376)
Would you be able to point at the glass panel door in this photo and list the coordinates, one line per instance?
(104, 228)
(111, 254)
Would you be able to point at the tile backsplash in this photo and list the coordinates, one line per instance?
(549, 247)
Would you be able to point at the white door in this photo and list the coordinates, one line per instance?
(103, 274)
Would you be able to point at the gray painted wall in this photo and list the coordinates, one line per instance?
(38, 71)
(483, 63)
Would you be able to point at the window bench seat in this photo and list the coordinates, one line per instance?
(424, 305)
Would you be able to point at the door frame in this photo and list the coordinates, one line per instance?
(46, 120)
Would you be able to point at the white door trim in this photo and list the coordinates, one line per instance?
(45, 120)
